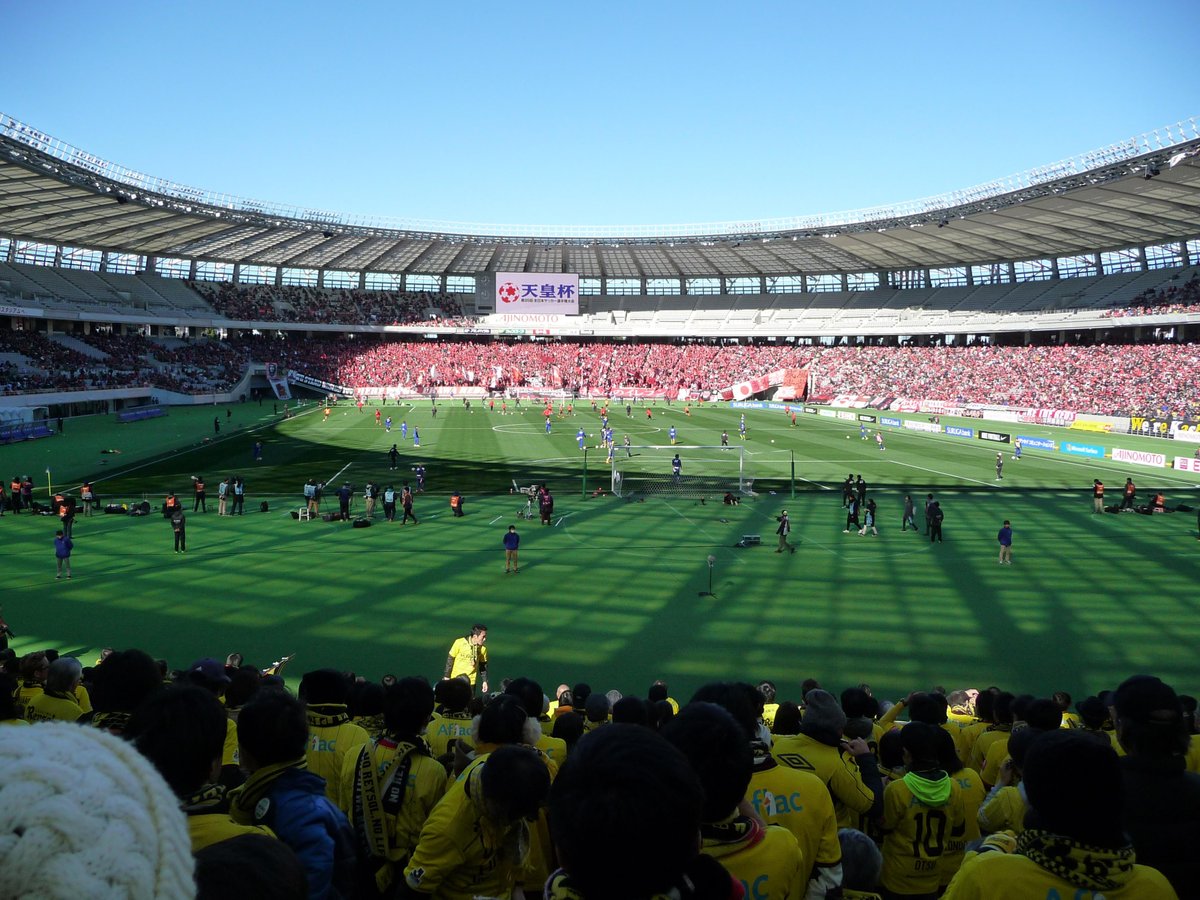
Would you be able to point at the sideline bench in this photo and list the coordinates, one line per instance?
(137, 415)
(12, 434)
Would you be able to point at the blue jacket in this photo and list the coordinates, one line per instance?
(303, 818)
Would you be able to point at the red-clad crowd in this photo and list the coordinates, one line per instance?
(268, 303)
(1122, 379)
(586, 368)
(1114, 380)
(1182, 298)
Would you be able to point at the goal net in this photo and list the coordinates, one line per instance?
(703, 471)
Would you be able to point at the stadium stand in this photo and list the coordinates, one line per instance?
(137, 701)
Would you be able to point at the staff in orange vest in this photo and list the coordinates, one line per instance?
(1097, 496)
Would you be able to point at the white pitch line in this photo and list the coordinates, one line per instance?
(340, 471)
(495, 520)
(699, 528)
(939, 472)
(819, 484)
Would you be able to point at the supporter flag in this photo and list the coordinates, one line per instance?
(277, 378)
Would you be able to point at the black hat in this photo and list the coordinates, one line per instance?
(1068, 778)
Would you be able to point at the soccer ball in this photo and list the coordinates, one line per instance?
(772, 440)
(847, 437)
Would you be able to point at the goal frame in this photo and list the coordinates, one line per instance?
(688, 484)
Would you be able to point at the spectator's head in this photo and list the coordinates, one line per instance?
(1002, 709)
(927, 707)
(181, 730)
(862, 863)
(1148, 717)
(250, 865)
(272, 728)
(324, 686)
(891, 750)
(1020, 707)
(33, 667)
(207, 673)
(767, 689)
(597, 708)
(1019, 744)
(124, 681)
(658, 691)
(529, 692)
(787, 718)
(822, 714)
(453, 695)
(734, 700)
(1093, 713)
(581, 692)
(625, 793)
(1043, 714)
(985, 705)
(1069, 780)
(947, 753)
(716, 746)
(112, 829)
(64, 675)
(808, 684)
(631, 711)
(858, 704)
(661, 712)
(569, 727)
(407, 706)
(242, 685)
(515, 784)
(921, 746)
(366, 698)
(503, 721)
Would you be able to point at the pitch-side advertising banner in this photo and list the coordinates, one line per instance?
(1093, 450)
(1040, 443)
(998, 436)
(1139, 457)
(1187, 464)
(529, 293)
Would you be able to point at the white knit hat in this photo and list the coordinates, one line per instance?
(83, 814)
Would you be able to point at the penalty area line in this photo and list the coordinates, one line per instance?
(939, 472)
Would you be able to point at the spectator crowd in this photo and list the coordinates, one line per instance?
(129, 360)
(1183, 298)
(344, 306)
(1118, 379)
(124, 779)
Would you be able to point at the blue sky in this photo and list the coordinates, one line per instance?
(617, 113)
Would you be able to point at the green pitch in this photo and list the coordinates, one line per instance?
(609, 592)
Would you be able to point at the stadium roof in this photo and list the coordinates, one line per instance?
(1140, 192)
